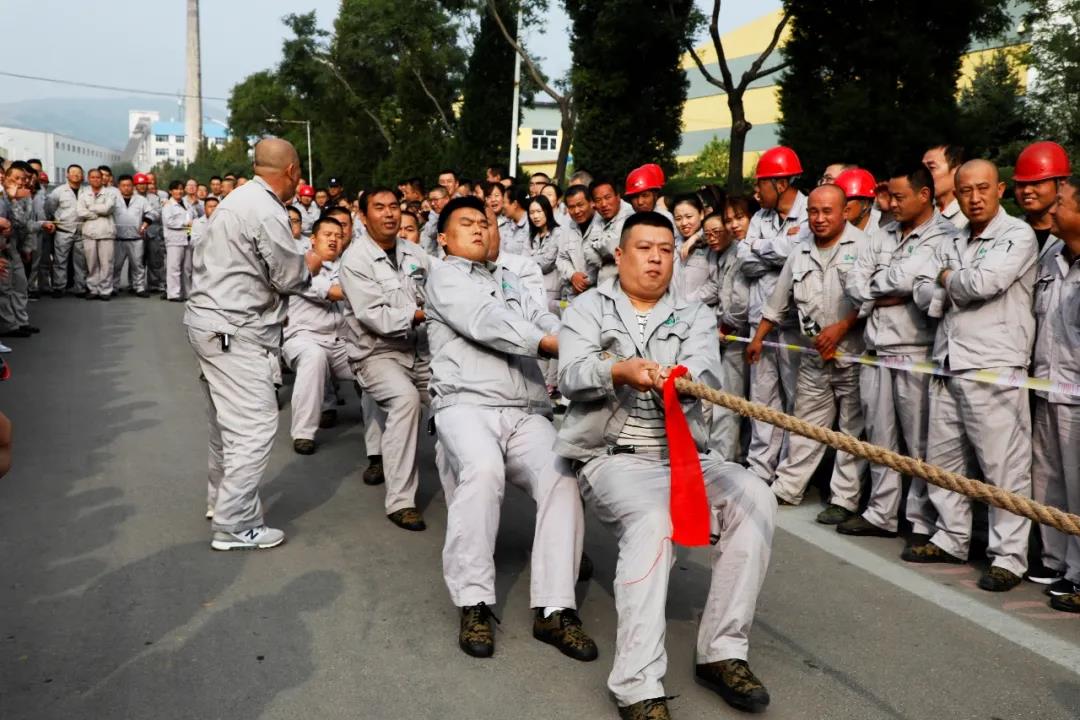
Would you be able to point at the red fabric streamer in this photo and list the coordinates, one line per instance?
(689, 503)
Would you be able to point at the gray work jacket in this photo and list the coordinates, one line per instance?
(129, 216)
(986, 304)
(485, 328)
(599, 329)
(95, 212)
(817, 291)
(887, 267)
(313, 315)
(603, 240)
(1057, 312)
(244, 264)
(769, 241)
(384, 300)
(726, 290)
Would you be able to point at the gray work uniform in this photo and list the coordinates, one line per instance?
(129, 216)
(95, 211)
(316, 347)
(242, 266)
(953, 214)
(570, 258)
(895, 403)
(14, 288)
(589, 235)
(493, 419)
(986, 323)
(62, 207)
(40, 278)
(603, 239)
(812, 282)
(545, 253)
(630, 492)
(429, 234)
(517, 237)
(768, 243)
(691, 274)
(1055, 465)
(308, 216)
(727, 292)
(154, 250)
(176, 220)
(389, 357)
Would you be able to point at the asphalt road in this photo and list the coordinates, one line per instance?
(113, 606)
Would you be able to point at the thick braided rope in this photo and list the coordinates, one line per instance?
(1016, 504)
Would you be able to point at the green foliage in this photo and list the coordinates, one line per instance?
(378, 91)
(1055, 57)
(484, 125)
(994, 122)
(874, 81)
(711, 162)
(629, 85)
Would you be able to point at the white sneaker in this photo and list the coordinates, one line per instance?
(4, 348)
(209, 512)
(258, 538)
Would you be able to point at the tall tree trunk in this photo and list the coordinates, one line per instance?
(740, 127)
(567, 128)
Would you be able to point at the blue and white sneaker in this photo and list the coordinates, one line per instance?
(257, 538)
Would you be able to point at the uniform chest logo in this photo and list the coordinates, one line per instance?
(671, 320)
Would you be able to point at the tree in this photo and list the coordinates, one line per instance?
(735, 92)
(713, 161)
(484, 122)
(994, 122)
(874, 81)
(564, 100)
(628, 80)
(1054, 55)
(378, 96)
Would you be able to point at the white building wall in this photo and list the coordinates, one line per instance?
(55, 151)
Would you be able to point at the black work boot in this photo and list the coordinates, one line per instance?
(733, 681)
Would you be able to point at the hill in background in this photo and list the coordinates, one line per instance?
(98, 120)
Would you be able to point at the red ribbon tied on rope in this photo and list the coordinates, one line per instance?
(689, 503)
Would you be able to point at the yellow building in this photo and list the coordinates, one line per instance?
(705, 113)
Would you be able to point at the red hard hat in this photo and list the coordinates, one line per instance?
(1042, 161)
(646, 177)
(778, 162)
(306, 191)
(857, 183)
(43, 178)
(140, 179)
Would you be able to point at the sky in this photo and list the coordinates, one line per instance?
(139, 44)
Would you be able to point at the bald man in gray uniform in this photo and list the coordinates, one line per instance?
(243, 265)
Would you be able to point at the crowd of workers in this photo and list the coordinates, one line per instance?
(480, 310)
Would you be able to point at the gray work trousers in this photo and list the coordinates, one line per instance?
(772, 382)
(178, 282)
(630, 494)
(374, 422)
(315, 361)
(39, 279)
(14, 311)
(1055, 476)
(990, 425)
(895, 403)
(725, 436)
(243, 421)
(68, 247)
(130, 251)
(480, 449)
(99, 266)
(401, 393)
(824, 390)
(154, 253)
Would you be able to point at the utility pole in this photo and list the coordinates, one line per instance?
(193, 99)
(514, 120)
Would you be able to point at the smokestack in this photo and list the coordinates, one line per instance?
(193, 101)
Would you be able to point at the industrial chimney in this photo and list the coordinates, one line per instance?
(193, 101)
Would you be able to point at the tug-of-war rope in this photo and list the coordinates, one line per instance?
(983, 492)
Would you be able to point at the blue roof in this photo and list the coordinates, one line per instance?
(210, 129)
